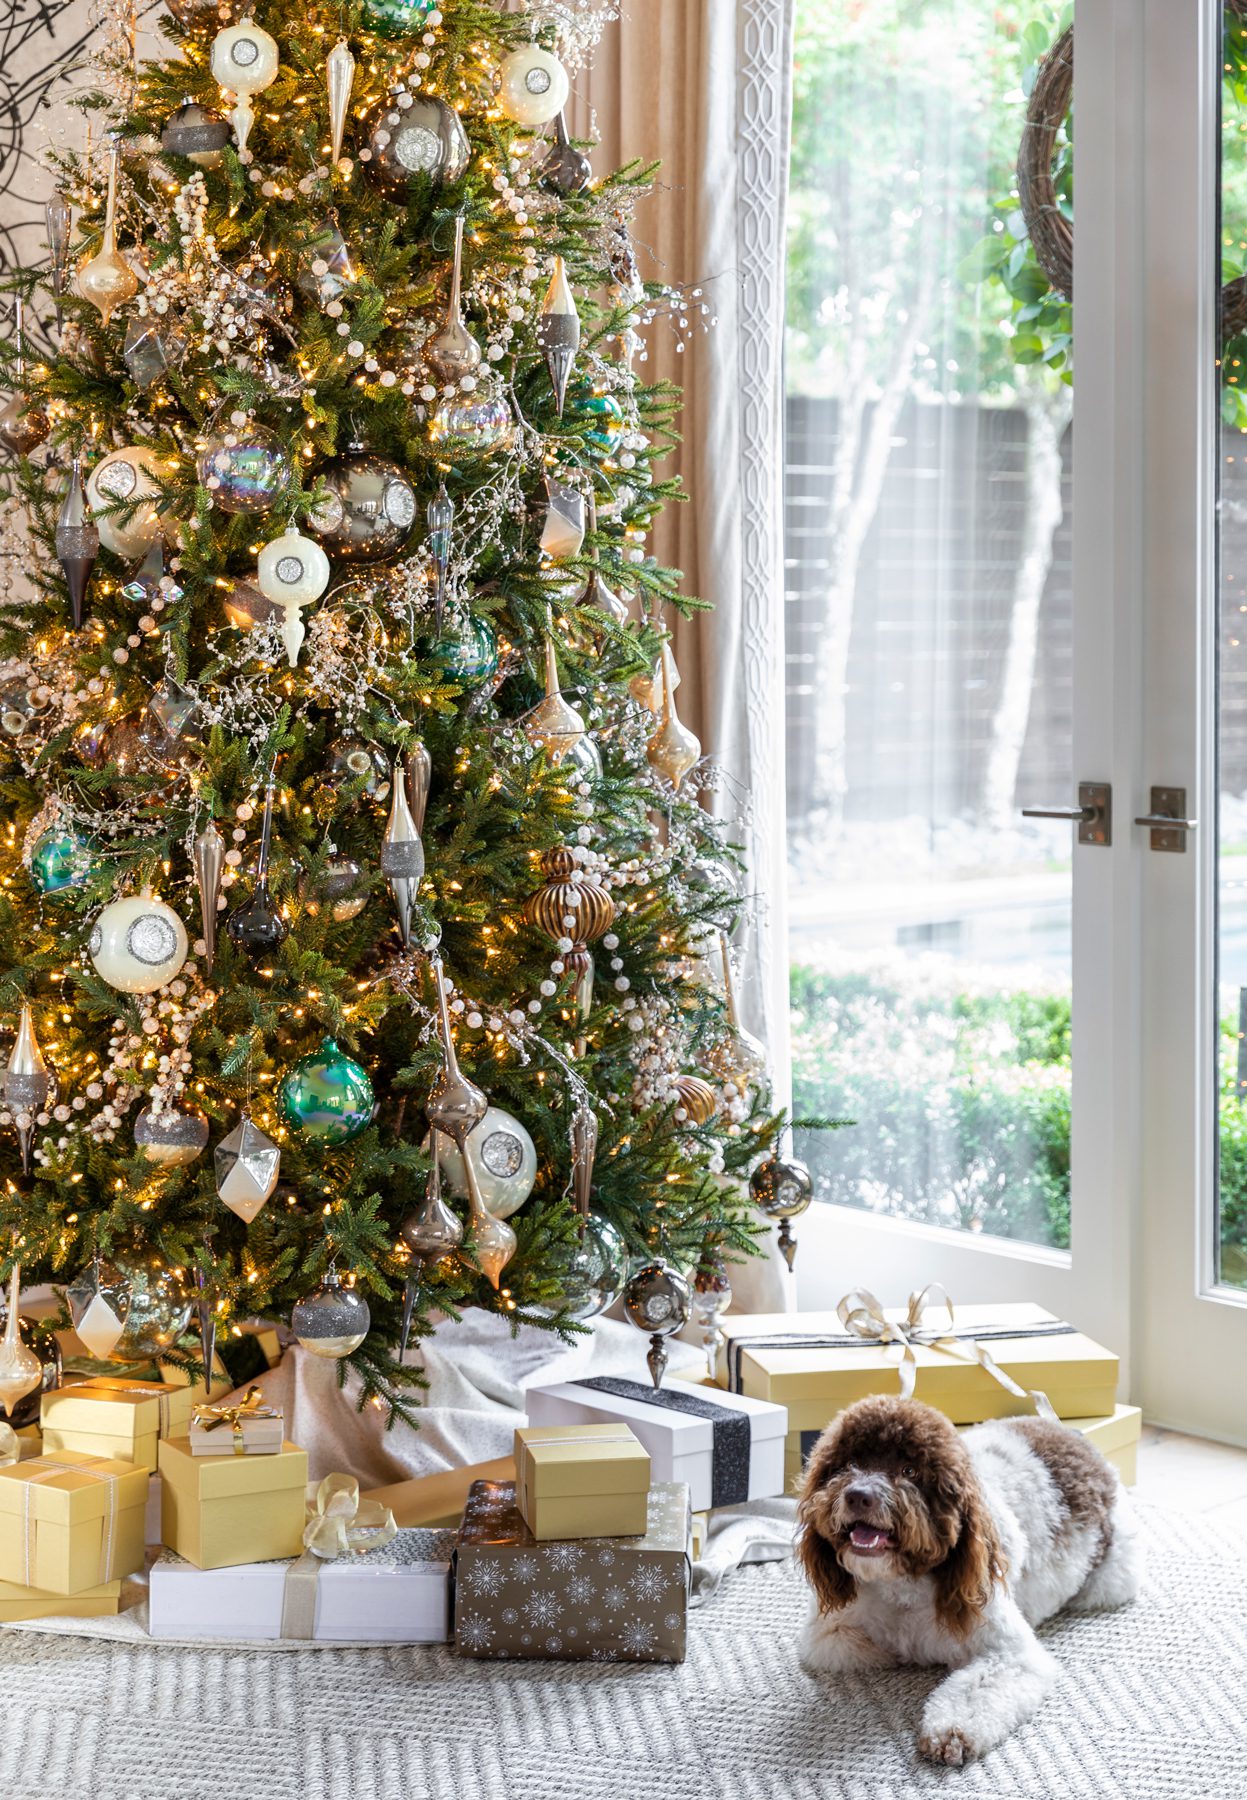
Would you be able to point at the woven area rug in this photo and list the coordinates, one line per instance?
(1153, 1706)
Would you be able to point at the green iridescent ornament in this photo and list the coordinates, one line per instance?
(326, 1096)
(60, 861)
(468, 649)
(398, 18)
(605, 433)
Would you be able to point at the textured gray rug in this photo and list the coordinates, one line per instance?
(1153, 1707)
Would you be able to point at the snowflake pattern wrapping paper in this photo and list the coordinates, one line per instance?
(581, 1600)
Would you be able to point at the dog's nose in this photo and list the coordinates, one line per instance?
(859, 1495)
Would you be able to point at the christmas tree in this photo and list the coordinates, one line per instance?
(347, 792)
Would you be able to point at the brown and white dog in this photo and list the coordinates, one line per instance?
(926, 1545)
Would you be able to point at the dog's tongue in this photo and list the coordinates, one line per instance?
(869, 1537)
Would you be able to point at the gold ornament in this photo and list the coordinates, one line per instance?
(697, 1097)
(740, 1060)
(572, 904)
(106, 279)
(673, 749)
(339, 78)
(493, 1241)
(554, 725)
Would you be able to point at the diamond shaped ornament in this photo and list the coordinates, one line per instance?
(247, 1163)
(147, 577)
(172, 707)
(151, 350)
(99, 1306)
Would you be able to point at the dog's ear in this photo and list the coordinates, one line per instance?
(964, 1580)
(831, 1581)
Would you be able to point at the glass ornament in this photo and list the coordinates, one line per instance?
(245, 606)
(244, 467)
(196, 132)
(256, 926)
(292, 571)
(24, 422)
(18, 708)
(564, 170)
(151, 577)
(60, 861)
(455, 1103)
(468, 649)
(26, 1083)
(674, 749)
(245, 61)
(554, 725)
(430, 1233)
(452, 352)
(41, 1339)
(172, 709)
(21, 1372)
(138, 944)
(160, 1305)
(153, 347)
(402, 855)
(59, 218)
(471, 424)
(399, 18)
(344, 889)
(419, 767)
(332, 1320)
(77, 542)
(248, 1163)
(440, 518)
(585, 758)
(324, 270)
(657, 1299)
(503, 1158)
(326, 1096)
(125, 747)
(99, 1306)
(532, 86)
(712, 1295)
(351, 761)
(106, 279)
(208, 857)
(413, 137)
(339, 80)
(558, 332)
(782, 1187)
(604, 431)
(596, 1273)
(563, 532)
(172, 1137)
(126, 481)
(369, 509)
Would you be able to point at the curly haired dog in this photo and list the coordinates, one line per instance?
(924, 1545)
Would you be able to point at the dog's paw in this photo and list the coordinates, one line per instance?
(949, 1745)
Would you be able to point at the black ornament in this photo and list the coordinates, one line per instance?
(564, 170)
(257, 927)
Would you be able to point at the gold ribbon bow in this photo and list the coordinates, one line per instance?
(339, 1523)
(861, 1314)
(251, 1406)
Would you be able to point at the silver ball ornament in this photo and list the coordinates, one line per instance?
(657, 1299)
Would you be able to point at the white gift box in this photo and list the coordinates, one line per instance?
(253, 1437)
(399, 1594)
(727, 1447)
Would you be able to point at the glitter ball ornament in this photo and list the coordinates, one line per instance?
(60, 862)
(172, 1137)
(247, 1166)
(244, 467)
(399, 18)
(160, 1305)
(326, 1096)
(657, 1299)
(468, 649)
(532, 86)
(369, 510)
(99, 1306)
(504, 1161)
(332, 1320)
(126, 481)
(138, 944)
(406, 142)
(472, 424)
(352, 761)
(196, 132)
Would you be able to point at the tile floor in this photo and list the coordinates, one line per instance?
(1193, 1475)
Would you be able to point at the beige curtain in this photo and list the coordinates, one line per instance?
(704, 86)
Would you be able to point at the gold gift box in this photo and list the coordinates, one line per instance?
(107, 1416)
(439, 1499)
(70, 1522)
(218, 1511)
(816, 1381)
(579, 1481)
(18, 1602)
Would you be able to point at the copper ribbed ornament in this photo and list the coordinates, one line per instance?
(419, 767)
(657, 1299)
(558, 332)
(24, 422)
(430, 1232)
(441, 519)
(209, 860)
(339, 79)
(106, 279)
(572, 904)
(77, 542)
(554, 725)
(26, 1083)
(673, 749)
(455, 1104)
(697, 1098)
(782, 1188)
(402, 854)
(452, 352)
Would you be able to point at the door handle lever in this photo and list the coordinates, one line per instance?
(1093, 815)
(1166, 821)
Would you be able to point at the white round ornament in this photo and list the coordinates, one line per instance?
(533, 86)
(504, 1161)
(244, 58)
(292, 571)
(138, 944)
(126, 476)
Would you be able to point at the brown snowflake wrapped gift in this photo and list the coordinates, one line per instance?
(582, 1599)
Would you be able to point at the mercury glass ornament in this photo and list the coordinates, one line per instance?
(431, 1232)
(657, 1299)
(532, 86)
(455, 1104)
(106, 279)
(468, 649)
(558, 332)
(196, 132)
(160, 1305)
(332, 1320)
(503, 1158)
(326, 1096)
(596, 593)
(402, 855)
(60, 861)
(256, 927)
(564, 530)
(564, 170)
(209, 860)
(244, 467)
(493, 1241)
(452, 352)
(674, 749)
(38, 1337)
(26, 1083)
(21, 1372)
(247, 1166)
(352, 761)
(782, 1188)
(596, 1273)
(554, 725)
(472, 424)
(741, 1058)
(138, 944)
(399, 18)
(369, 509)
(245, 61)
(24, 422)
(77, 542)
(409, 137)
(292, 571)
(586, 759)
(124, 493)
(339, 80)
(172, 1137)
(712, 1295)
(99, 1306)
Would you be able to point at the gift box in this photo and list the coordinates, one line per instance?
(399, 1594)
(728, 1448)
(109, 1417)
(218, 1511)
(579, 1599)
(18, 1602)
(575, 1481)
(810, 1363)
(248, 1429)
(70, 1522)
(439, 1500)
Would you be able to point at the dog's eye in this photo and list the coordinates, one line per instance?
(909, 1472)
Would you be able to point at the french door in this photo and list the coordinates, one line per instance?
(1142, 919)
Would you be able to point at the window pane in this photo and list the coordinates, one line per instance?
(928, 612)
